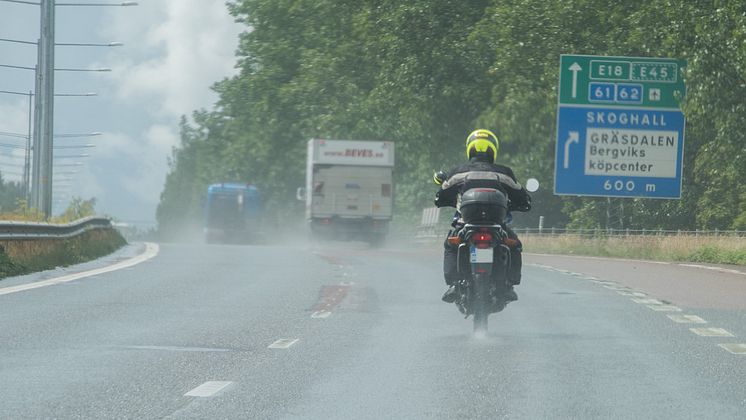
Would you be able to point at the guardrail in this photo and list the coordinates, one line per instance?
(25, 231)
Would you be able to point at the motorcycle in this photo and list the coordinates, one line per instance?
(484, 255)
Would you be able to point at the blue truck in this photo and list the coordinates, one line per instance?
(232, 213)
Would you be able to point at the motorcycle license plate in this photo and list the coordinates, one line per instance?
(479, 255)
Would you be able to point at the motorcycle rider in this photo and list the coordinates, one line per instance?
(480, 172)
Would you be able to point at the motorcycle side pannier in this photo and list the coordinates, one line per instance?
(483, 205)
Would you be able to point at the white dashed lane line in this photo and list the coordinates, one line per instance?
(687, 319)
(734, 348)
(321, 314)
(616, 287)
(711, 332)
(208, 389)
(660, 306)
(283, 343)
(631, 294)
(665, 308)
(645, 301)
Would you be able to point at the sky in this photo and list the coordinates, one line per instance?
(173, 51)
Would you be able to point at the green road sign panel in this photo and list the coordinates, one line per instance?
(621, 81)
(620, 129)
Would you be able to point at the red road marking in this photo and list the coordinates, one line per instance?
(330, 297)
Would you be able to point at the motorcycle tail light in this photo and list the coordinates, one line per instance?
(454, 240)
(482, 240)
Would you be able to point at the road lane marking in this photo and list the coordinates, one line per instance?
(151, 250)
(605, 282)
(597, 258)
(208, 389)
(735, 348)
(645, 301)
(631, 294)
(665, 308)
(711, 332)
(283, 343)
(722, 270)
(321, 314)
(687, 319)
(617, 287)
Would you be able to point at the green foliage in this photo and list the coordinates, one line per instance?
(424, 73)
(10, 193)
(22, 257)
(77, 209)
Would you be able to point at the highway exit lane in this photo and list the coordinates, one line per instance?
(132, 344)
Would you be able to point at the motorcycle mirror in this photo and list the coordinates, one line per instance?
(532, 185)
(300, 194)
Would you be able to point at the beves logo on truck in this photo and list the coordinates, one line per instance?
(348, 152)
(361, 153)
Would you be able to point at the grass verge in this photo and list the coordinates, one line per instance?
(23, 257)
(705, 249)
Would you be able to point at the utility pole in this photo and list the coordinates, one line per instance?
(27, 155)
(36, 147)
(45, 97)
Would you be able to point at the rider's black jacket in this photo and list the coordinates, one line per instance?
(481, 174)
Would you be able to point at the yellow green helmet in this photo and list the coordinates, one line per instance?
(482, 142)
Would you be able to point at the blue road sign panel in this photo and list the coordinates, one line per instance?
(601, 92)
(619, 152)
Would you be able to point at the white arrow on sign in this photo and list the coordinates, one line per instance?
(575, 68)
(573, 138)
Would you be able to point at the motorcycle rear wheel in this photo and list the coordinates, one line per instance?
(480, 298)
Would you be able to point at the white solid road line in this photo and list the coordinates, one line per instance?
(597, 258)
(151, 250)
(720, 269)
(283, 343)
(208, 389)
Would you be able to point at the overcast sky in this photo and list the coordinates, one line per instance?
(174, 51)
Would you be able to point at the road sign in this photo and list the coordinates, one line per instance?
(620, 129)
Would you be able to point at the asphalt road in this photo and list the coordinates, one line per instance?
(350, 333)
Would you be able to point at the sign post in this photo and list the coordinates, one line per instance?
(620, 129)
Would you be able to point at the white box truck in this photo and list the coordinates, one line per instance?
(349, 191)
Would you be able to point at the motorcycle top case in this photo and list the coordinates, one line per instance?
(483, 205)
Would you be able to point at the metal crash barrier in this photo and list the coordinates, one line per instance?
(24, 231)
